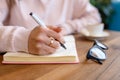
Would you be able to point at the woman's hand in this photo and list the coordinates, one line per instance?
(44, 41)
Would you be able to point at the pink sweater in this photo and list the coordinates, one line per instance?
(16, 23)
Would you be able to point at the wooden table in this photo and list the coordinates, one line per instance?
(85, 70)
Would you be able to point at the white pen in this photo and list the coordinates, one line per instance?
(41, 23)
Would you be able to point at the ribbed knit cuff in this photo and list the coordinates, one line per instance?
(20, 40)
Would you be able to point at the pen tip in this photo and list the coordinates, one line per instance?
(31, 13)
(63, 46)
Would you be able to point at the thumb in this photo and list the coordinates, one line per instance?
(56, 29)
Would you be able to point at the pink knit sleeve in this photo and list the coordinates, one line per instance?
(13, 38)
(83, 14)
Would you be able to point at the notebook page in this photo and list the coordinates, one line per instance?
(70, 45)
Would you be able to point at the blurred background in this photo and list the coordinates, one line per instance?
(110, 13)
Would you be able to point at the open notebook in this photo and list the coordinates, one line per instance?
(60, 56)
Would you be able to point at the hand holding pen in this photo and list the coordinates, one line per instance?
(44, 40)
